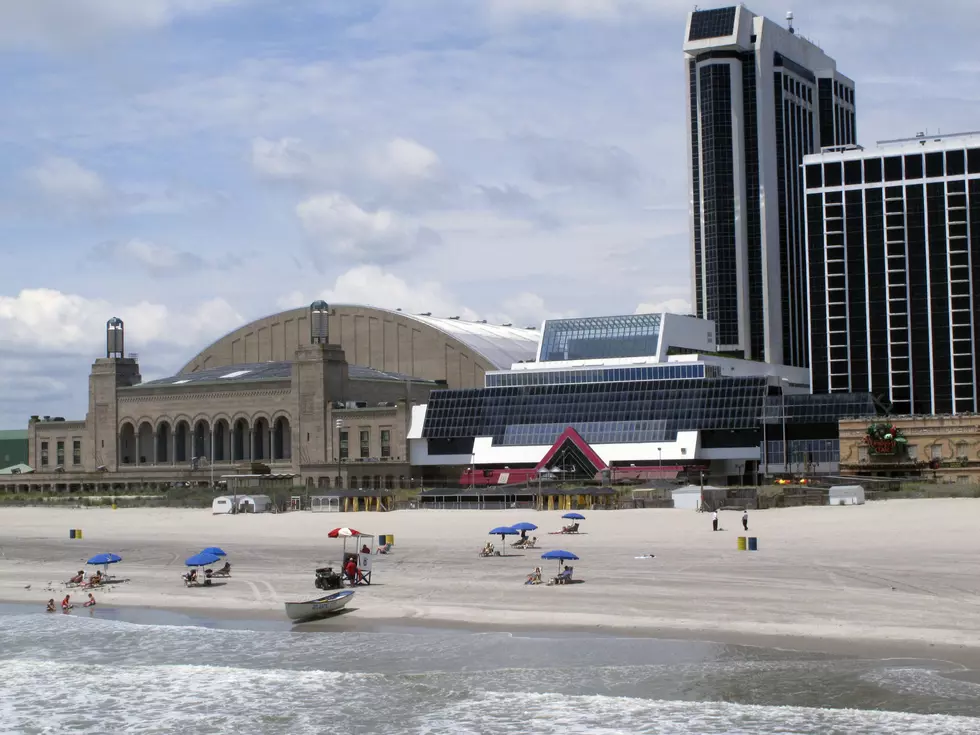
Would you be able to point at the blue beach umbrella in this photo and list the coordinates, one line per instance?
(560, 555)
(574, 516)
(504, 531)
(202, 560)
(214, 550)
(104, 560)
(524, 526)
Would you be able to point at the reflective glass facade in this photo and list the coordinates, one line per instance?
(626, 412)
(600, 412)
(591, 338)
(894, 260)
(597, 375)
(757, 104)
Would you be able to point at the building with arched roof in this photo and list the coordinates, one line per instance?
(324, 392)
(434, 348)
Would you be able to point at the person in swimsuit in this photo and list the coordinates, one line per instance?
(66, 604)
(90, 602)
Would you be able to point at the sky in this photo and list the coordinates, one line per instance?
(191, 165)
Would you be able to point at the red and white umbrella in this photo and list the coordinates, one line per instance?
(344, 532)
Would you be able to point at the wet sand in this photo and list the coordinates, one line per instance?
(895, 578)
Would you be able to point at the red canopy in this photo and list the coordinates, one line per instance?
(338, 532)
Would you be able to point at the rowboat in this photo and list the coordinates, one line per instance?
(318, 608)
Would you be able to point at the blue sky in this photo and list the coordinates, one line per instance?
(189, 165)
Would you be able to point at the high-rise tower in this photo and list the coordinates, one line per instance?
(760, 98)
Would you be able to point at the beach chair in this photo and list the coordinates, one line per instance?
(570, 529)
(531, 543)
(225, 571)
(564, 578)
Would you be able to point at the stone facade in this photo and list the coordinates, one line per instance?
(946, 448)
(319, 423)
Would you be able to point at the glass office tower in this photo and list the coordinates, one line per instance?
(760, 98)
(894, 272)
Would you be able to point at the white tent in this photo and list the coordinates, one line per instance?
(846, 495)
(221, 504)
(254, 503)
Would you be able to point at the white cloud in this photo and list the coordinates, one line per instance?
(58, 23)
(672, 306)
(526, 309)
(403, 160)
(397, 161)
(341, 228)
(67, 182)
(289, 159)
(47, 321)
(604, 10)
(154, 258)
(374, 286)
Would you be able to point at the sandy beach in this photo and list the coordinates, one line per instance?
(897, 576)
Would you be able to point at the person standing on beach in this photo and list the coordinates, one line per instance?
(745, 519)
(714, 521)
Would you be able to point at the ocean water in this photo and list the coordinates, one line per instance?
(99, 672)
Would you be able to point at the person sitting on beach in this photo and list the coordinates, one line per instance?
(66, 603)
(51, 607)
(534, 577)
(191, 577)
(225, 571)
(90, 602)
(487, 550)
(95, 579)
(529, 544)
(78, 578)
(384, 549)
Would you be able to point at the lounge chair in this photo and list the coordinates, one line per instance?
(385, 549)
(225, 571)
(531, 543)
(570, 529)
(564, 578)
(534, 577)
(487, 550)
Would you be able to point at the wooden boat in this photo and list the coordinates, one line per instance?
(318, 608)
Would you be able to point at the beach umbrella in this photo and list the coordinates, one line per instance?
(214, 550)
(504, 531)
(524, 526)
(202, 560)
(343, 533)
(104, 560)
(574, 516)
(560, 555)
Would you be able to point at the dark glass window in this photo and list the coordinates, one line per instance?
(832, 174)
(913, 166)
(365, 443)
(712, 23)
(852, 172)
(719, 263)
(872, 170)
(76, 452)
(44, 454)
(60, 454)
(934, 164)
(917, 270)
(973, 160)
(893, 168)
(955, 165)
(344, 445)
(814, 177)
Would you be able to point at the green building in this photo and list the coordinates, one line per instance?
(13, 447)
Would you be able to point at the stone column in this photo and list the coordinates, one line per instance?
(153, 448)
